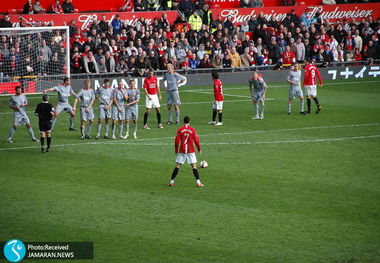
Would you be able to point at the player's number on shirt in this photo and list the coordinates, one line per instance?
(187, 137)
(313, 73)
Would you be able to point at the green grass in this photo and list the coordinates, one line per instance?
(285, 189)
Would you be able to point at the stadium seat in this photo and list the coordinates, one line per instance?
(114, 10)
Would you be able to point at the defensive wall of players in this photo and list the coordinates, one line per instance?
(331, 73)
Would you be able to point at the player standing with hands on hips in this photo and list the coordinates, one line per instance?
(185, 151)
(45, 113)
(172, 80)
(258, 89)
(310, 84)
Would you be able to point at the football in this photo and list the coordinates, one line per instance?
(204, 164)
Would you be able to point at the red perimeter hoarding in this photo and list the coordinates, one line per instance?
(331, 12)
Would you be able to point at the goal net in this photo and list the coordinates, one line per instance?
(35, 58)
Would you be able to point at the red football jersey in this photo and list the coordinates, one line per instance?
(150, 84)
(288, 57)
(185, 139)
(218, 90)
(311, 71)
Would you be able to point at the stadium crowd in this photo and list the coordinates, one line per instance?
(195, 40)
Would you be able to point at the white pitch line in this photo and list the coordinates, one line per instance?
(205, 135)
(207, 143)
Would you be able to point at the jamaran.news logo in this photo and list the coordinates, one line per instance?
(14, 250)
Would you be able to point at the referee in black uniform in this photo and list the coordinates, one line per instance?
(45, 112)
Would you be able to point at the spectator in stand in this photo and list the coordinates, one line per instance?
(339, 55)
(76, 63)
(205, 62)
(68, 7)
(142, 66)
(328, 56)
(246, 3)
(5, 22)
(127, 7)
(358, 40)
(288, 57)
(207, 16)
(103, 24)
(217, 61)
(122, 67)
(55, 66)
(257, 3)
(187, 7)
(300, 50)
(139, 6)
(56, 8)
(37, 8)
(235, 58)
(371, 51)
(28, 7)
(46, 49)
(357, 55)
(131, 48)
(195, 21)
(229, 25)
(153, 60)
(153, 5)
(110, 62)
(90, 65)
(102, 65)
(246, 59)
(227, 61)
(333, 43)
(294, 18)
(306, 18)
(164, 61)
(42, 65)
(116, 25)
(194, 62)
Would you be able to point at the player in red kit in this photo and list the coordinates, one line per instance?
(153, 97)
(217, 107)
(185, 151)
(310, 84)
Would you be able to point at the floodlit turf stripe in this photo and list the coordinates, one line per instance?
(206, 143)
(138, 142)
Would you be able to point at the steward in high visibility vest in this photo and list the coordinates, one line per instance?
(195, 21)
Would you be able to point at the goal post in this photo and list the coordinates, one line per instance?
(35, 58)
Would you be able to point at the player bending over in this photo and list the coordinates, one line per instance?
(310, 84)
(104, 95)
(294, 78)
(153, 95)
(258, 88)
(18, 102)
(87, 98)
(217, 107)
(184, 149)
(45, 113)
(172, 100)
(64, 91)
(118, 112)
(132, 108)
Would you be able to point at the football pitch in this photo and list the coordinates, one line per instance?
(289, 188)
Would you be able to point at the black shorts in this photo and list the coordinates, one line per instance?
(45, 126)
